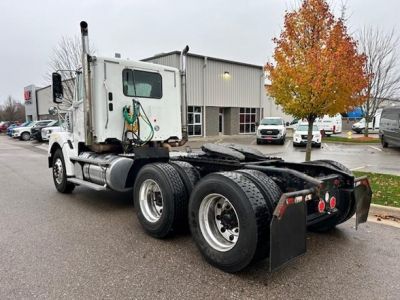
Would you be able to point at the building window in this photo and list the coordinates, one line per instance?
(195, 120)
(247, 120)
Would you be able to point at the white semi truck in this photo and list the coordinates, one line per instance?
(240, 205)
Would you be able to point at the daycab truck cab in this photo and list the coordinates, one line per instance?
(240, 205)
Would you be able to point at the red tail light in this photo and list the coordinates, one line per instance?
(332, 203)
(321, 206)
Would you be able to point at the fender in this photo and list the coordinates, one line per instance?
(64, 140)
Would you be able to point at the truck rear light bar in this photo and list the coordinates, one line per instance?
(289, 199)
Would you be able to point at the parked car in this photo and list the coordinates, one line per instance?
(389, 127)
(36, 131)
(10, 128)
(301, 133)
(271, 129)
(373, 125)
(4, 125)
(330, 125)
(47, 131)
(24, 133)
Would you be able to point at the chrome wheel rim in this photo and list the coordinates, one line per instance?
(58, 171)
(151, 200)
(219, 222)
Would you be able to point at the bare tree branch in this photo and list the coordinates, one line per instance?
(384, 66)
(12, 110)
(67, 57)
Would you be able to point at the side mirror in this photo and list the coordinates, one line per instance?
(57, 88)
(257, 124)
(287, 124)
(53, 110)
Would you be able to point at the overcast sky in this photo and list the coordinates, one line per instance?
(230, 29)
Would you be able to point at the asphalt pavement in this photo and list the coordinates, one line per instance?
(362, 157)
(89, 245)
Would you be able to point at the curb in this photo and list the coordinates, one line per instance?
(381, 210)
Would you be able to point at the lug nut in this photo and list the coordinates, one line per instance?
(231, 237)
(219, 205)
(223, 229)
(236, 230)
(218, 217)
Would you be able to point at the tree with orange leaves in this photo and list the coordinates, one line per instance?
(317, 69)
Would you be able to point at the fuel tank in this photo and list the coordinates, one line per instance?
(104, 169)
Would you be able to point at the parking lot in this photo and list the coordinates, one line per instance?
(362, 157)
(89, 244)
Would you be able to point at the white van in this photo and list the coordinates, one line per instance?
(372, 126)
(330, 125)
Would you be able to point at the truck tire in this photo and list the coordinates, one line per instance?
(229, 220)
(160, 199)
(336, 165)
(25, 136)
(188, 174)
(268, 188)
(60, 175)
(384, 143)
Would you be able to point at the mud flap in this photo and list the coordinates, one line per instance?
(288, 229)
(362, 196)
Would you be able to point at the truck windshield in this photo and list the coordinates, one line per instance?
(142, 84)
(271, 122)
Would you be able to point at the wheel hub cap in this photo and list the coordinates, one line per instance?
(151, 200)
(58, 171)
(219, 222)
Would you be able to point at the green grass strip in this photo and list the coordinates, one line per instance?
(333, 139)
(385, 188)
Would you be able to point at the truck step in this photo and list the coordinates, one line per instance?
(88, 184)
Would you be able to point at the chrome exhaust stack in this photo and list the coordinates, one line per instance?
(182, 68)
(87, 106)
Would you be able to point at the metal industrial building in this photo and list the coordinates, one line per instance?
(224, 97)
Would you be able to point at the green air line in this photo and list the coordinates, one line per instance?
(128, 118)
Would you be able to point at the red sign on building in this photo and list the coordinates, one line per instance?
(27, 95)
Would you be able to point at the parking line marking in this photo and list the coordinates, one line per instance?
(376, 148)
(326, 145)
(287, 145)
(253, 142)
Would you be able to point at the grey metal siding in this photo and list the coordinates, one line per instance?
(195, 87)
(171, 60)
(241, 89)
(206, 85)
